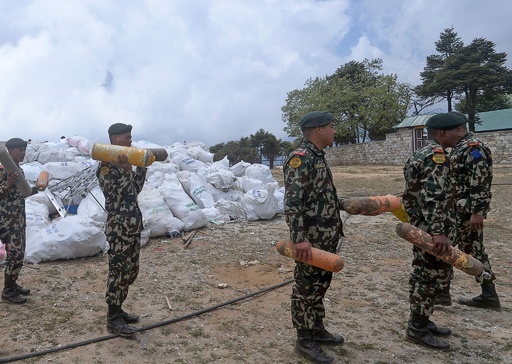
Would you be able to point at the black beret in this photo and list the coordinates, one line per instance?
(445, 121)
(316, 118)
(119, 128)
(16, 143)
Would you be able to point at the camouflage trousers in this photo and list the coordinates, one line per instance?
(123, 266)
(14, 263)
(429, 275)
(311, 285)
(472, 242)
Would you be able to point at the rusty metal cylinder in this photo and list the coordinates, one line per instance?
(455, 256)
(110, 153)
(42, 180)
(321, 258)
(159, 153)
(10, 166)
(373, 205)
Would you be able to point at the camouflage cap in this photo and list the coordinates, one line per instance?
(16, 143)
(119, 128)
(444, 121)
(316, 118)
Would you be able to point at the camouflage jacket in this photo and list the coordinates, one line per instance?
(12, 202)
(121, 188)
(471, 163)
(428, 197)
(310, 202)
(5, 237)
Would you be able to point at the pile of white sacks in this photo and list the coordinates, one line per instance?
(186, 192)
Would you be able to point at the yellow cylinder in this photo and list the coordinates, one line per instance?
(110, 153)
(42, 180)
(321, 258)
(10, 166)
(401, 214)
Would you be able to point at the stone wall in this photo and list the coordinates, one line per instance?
(397, 148)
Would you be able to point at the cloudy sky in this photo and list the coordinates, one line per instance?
(205, 70)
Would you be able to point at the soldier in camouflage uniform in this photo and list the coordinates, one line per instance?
(312, 214)
(428, 201)
(471, 162)
(5, 237)
(121, 186)
(12, 209)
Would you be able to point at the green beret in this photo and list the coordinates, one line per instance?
(119, 128)
(16, 143)
(445, 121)
(459, 114)
(316, 118)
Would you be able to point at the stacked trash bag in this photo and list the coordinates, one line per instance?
(187, 191)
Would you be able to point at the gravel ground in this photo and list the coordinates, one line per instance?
(187, 317)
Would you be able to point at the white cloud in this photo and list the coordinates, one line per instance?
(212, 71)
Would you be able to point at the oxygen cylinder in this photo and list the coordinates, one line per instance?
(373, 205)
(110, 153)
(401, 214)
(321, 258)
(10, 166)
(159, 153)
(455, 256)
(42, 181)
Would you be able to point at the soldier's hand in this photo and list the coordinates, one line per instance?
(302, 251)
(441, 244)
(122, 161)
(476, 222)
(9, 246)
(12, 177)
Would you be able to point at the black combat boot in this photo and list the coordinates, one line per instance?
(488, 299)
(307, 346)
(10, 293)
(22, 290)
(116, 323)
(130, 318)
(444, 298)
(418, 332)
(322, 336)
(438, 330)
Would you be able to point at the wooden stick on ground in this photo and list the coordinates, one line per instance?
(168, 302)
(189, 239)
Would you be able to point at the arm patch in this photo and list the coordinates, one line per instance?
(476, 154)
(295, 162)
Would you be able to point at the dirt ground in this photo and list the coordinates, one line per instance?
(188, 318)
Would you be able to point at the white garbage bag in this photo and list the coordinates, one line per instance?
(66, 238)
(159, 217)
(260, 204)
(197, 188)
(181, 205)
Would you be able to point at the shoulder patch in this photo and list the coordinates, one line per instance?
(438, 150)
(295, 162)
(473, 144)
(104, 170)
(476, 154)
(299, 152)
(439, 158)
